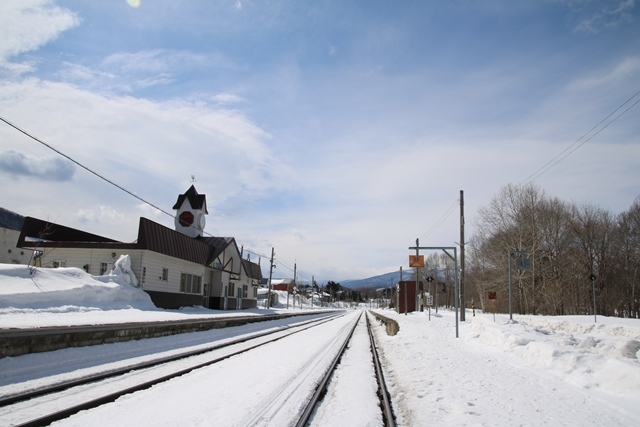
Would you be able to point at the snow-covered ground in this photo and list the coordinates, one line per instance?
(70, 296)
(532, 371)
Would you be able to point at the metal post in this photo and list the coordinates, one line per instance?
(510, 286)
(457, 282)
(462, 302)
(593, 287)
(457, 292)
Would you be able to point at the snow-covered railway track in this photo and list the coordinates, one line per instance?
(56, 401)
(336, 408)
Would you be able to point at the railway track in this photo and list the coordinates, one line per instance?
(34, 407)
(292, 398)
(388, 418)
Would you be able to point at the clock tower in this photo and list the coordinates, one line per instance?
(191, 208)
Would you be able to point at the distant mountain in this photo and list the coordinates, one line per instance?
(383, 281)
(10, 220)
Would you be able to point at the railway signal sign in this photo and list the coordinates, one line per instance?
(416, 260)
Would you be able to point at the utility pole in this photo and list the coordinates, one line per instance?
(462, 304)
(313, 283)
(417, 302)
(294, 286)
(405, 292)
(270, 276)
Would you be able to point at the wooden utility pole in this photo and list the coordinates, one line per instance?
(462, 243)
(270, 276)
(294, 286)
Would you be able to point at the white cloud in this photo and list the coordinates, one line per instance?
(25, 25)
(227, 98)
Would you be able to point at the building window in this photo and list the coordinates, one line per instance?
(245, 291)
(165, 274)
(104, 267)
(190, 283)
(59, 263)
(231, 289)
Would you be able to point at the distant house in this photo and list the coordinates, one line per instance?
(282, 284)
(175, 267)
(10, 226)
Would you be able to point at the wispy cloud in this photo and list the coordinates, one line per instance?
(45, 22)
(594, 16)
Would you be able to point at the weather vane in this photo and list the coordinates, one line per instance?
(193, 179)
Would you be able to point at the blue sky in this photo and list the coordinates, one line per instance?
(335, 131)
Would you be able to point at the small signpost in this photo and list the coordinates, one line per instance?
(492, 297)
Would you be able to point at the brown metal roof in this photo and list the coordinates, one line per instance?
(253, 270)
(36, 232)
(158, 238)
(151, 236)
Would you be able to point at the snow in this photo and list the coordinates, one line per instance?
(46, 297)
(534, 370)
(529, 371)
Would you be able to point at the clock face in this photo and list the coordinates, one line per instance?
(201, 221)
(186, 219)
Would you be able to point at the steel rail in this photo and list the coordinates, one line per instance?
(66, 412)
(322, 386)
(14, 398)
(387, 409)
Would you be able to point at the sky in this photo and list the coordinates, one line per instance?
(529, 371)
(335, 132)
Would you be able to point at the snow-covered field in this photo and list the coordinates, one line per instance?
(532, 371)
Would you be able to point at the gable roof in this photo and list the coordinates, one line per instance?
(197, 201)
(47, 234)
(252, 269)
(151, 236)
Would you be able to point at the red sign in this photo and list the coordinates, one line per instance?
(492, 296)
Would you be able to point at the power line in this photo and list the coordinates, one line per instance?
(98, 175)
(442, 219)
(83, 166)
(561, 156)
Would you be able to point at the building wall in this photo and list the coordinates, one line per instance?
(91, 260)
(150, 265)
(148, 268)
(9, 253)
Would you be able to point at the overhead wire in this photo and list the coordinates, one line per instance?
(561, 156)
(19, 129)
(441, 220)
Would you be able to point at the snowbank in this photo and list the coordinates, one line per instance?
(68, 290)
(601, 355)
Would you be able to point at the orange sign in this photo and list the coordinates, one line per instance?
(416, 260)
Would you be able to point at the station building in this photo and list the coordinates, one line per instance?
(177, 268)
